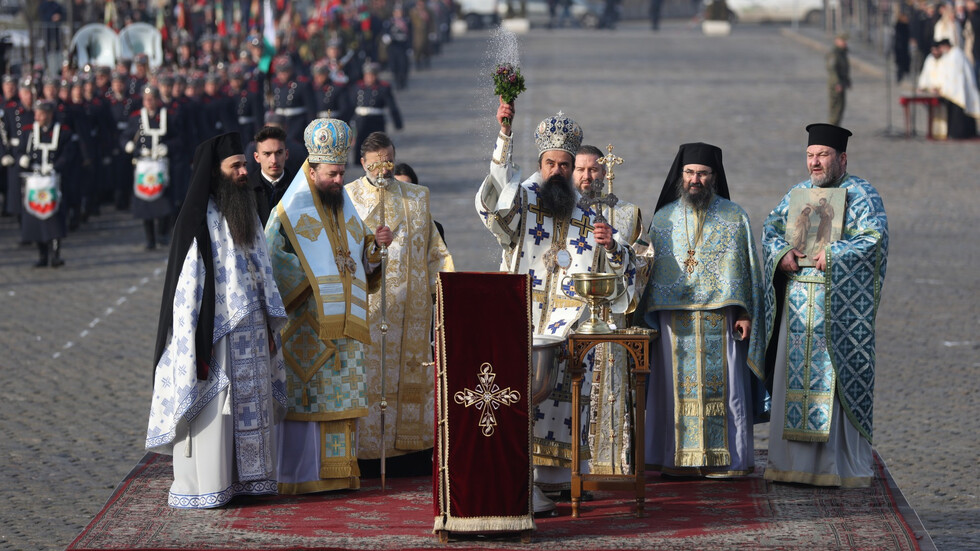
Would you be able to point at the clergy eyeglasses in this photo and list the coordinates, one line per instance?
(699, 173)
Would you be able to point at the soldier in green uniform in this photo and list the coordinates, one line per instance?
(838, 78)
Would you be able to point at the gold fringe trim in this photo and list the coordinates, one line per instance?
(484, 524)
(815, 479)
(795, 435)
(313, 486)
(689, 409)
(714, 458)
(714, 409)
(327, 416)
(410, 442)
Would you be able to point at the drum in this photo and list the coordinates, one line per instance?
(546, 353)
(151, 178)
(42, 194)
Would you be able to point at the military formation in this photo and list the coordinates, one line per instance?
(124, 136)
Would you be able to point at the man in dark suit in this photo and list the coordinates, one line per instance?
(271, 178)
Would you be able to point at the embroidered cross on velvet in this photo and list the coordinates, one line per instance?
(487, 397)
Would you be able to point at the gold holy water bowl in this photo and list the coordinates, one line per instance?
(596, 289)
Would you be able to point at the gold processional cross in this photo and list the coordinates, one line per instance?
(610, 161)
(487, 396)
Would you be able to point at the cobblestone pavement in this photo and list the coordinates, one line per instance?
(75, 369)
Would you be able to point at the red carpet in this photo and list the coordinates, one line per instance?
(681, 514)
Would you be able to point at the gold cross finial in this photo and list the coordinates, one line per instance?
(610, 161)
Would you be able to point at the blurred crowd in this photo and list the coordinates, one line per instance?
(223, 69)
(937, 47)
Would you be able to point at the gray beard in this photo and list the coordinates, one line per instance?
(828, 179)
(557, 196)
(699, 201)
(237, 205)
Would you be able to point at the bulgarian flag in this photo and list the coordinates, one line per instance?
(219, 17)
(268, 37)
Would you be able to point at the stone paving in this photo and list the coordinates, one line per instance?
(75, 366)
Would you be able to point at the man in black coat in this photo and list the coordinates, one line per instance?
(271, 178)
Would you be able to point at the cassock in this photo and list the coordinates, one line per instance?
(415, 258)
(325, 263)
(219, 378)
(704, 382)
(820, 326)
(531, 239)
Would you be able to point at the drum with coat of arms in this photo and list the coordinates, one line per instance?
(151, 178)
(42, 194)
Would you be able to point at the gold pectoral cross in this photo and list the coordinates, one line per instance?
(690, 263)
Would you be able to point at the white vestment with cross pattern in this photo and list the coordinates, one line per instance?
(512, 211)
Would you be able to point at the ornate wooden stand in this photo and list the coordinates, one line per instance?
(637, 343)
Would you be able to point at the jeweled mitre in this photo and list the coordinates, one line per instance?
(327, 141)
(559, 133)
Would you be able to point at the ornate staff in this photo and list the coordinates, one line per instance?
(382, 167)
(610, 161)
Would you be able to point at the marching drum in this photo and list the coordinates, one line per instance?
(151, 178)
(42, 194)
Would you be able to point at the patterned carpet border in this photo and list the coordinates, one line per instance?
(747, 513)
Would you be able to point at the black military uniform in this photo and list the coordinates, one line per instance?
(159, 206)
(218, 110)
(292, 97)
(17, 118)
(332, 97)
(370, 102)
(46, 150)
(246, 105)
(121, 106)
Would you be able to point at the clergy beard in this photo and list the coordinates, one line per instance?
(332, 197)
(237, 204)
(699, 200)
(557, 196)
(829, 176)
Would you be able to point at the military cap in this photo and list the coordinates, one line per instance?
(282, 64)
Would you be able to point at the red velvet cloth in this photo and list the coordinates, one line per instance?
(483, 318)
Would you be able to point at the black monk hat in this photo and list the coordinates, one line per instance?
(829, 135)
(697, 153)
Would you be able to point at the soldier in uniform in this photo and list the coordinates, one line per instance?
(47, 150)
(292, 97)
(87, 121)
(98, 105)
(17, 118)
(9, 100)
(121, 106)
(181, 148)
(141, 75)
(344, 67)
(331, 96)
(398, 37)
(246, 103)
(218, 110)
(103, 81)
(838, 78)
(150, 134)
(9, 89)
(371, 97)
